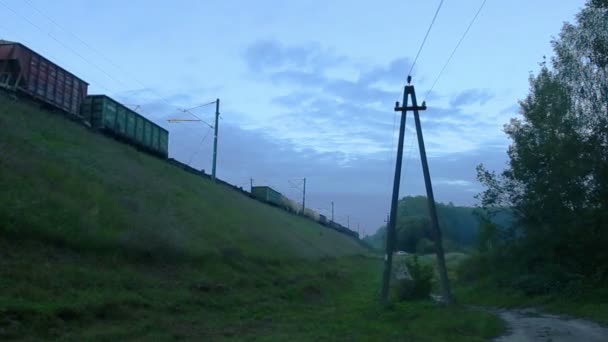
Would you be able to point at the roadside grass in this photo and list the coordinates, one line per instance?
(590, 304)
(48, 292)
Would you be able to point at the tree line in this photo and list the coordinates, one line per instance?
(460, 226)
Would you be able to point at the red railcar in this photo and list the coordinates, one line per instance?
(23, 70)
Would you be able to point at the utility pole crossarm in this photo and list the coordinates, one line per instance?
(410, 108)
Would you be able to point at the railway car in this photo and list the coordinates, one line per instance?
(267, 194)
(110, 116)
(323, 220)
(24, 71)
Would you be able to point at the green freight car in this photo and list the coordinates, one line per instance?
(108, 115)
(267, 194)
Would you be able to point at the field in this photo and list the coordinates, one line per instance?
(101, 242)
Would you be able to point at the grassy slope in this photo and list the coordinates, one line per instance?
(100, 242)
(72, 179)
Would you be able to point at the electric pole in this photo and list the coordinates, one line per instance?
(215, 128)
(390, 229)
(217, 115)
(304, 197)
(347, 221)
(332, 211)
(251, 184)
(435, 230)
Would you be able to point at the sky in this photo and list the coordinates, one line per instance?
(308, 88)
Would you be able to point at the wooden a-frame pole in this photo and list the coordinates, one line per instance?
(409, 91)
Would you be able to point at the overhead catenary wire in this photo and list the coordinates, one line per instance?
(101, 85)
(88, 61)
(99, 53)
(408, 153)
(189, 111)
(425, 37)
(199, 106)
(198, 119)
(455, 48)
(62, 44)
(428, 31)
(200, 147)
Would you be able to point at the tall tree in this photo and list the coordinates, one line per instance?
(557, 179)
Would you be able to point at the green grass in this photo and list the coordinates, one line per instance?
(586, 302)
(590, 304)
(48, 292)
(100, 242)
(72, 187)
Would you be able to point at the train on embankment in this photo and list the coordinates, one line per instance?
(24, 72)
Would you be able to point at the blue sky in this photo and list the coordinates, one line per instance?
(308, 87)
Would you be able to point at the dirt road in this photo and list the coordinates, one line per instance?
(530, 325)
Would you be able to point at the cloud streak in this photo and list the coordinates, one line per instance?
(326, 109)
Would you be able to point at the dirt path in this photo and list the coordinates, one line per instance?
(530, 325)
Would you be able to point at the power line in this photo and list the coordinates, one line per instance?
(199, 106)
(408, 154)
(55, 39)
(455, 48)
(63, 44)
(189, 111)
(198, 119)
(99, 68)
(425, 37)
(97, 52)
(161, 99)
(200, 147)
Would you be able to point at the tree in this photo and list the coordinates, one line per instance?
(557, 178)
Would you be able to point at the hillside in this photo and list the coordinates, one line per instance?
(64, 184)
(101, 242)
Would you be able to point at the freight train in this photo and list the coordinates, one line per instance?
(25, 72)
(269, 195)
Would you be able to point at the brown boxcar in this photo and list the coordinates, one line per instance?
(23, 70)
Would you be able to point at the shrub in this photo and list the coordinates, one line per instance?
(419, 286)
(472, 268)
(425, 246)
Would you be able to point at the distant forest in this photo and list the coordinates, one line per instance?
(460, 226)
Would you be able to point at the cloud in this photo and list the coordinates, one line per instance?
(268, 55)
(454, 182)
(300, 78)
(471, 96)
(394, 72)
(325, 110)
(512, 110)
(346, 157)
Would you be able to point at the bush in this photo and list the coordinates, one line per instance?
(534, 284)
(419, 287)
(473, 268)
(425, 246)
